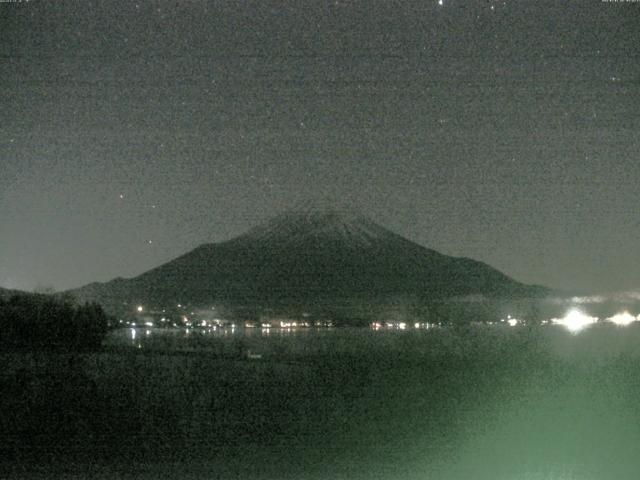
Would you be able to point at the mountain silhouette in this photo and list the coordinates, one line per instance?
(310, 256)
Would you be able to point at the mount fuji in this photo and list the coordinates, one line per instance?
(310, 257)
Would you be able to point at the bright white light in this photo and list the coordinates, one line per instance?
(575, 320)
(511, 321)
(622, 319)
(440, 2)
(149, 324)
(140, 308)
(402, 325)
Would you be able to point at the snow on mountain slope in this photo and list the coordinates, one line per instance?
(300, 225)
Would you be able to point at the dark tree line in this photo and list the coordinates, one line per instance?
(47, 322)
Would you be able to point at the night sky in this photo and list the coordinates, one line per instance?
(505, 131)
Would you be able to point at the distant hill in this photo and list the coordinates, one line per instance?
(310, 257)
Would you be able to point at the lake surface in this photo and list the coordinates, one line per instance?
(479, 403)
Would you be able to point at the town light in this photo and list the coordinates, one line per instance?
(575, 320)
(622, 319)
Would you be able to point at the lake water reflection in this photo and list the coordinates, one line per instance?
(234, 341)
(481, 403)
(141, 335)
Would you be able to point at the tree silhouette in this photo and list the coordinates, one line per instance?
(45, 322)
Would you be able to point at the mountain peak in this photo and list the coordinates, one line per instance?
(313, 222)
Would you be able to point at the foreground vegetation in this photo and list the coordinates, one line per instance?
(477, 402)
(35, 322)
